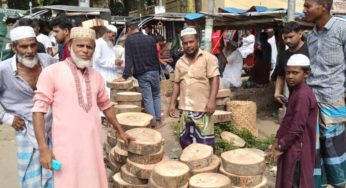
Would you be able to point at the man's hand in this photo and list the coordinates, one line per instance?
(18, 123)
(171, 111)
(127, 138)
(46, 157)
(279, 98)
(121, 79)
(210, 108)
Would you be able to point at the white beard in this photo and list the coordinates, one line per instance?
(80, 63)
(29, 63)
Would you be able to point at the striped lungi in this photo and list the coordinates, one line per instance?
(196, 127)
(31, 173)
(330, 165)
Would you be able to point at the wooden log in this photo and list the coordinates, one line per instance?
(213, 167)
(222, 101)
(137, 103)
(209, 180)
(171, 174)
(263, 184)
(243, 181)
(121, 144)
(129, 96)
(114, 165)
(126, 108)
(243, 115)
(142, 171)
(223, 93)
(221, 116)
(120, 85)
(130, 120)
(197, 156)
(147, 159)
(120, 183)
(112, 140)
(148, 141)
(243, 162)
(130, 178)
(232, 138)
(152, 184)
(119, 155)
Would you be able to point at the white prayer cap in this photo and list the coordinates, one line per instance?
(112, 28)
(188, 31)
(22, 32)
(82, 32)
(298, 60)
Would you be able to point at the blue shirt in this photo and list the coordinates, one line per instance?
(327, 55)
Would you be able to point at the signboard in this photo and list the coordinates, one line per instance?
(160, 9)
(339, 6)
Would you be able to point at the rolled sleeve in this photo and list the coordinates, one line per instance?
(212, 67)
(44, 93)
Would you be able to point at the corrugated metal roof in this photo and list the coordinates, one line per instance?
(72, 8)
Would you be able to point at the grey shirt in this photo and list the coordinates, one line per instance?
(327, 54)
(16, 95)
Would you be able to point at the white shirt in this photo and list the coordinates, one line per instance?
(248, 46)
(44, 39)
(120, 56)
(272, 43)
(104, 60)
(233, 69)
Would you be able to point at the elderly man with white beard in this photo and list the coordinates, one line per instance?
(76, 93)
(18, 77)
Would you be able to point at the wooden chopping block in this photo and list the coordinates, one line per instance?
(130, 120)
(129, 96)
(114, 165)
(213, 167)
(152, 184)
(112, 140)
(120, 85)
(130, 178)
(118, 155)
(232, 138)
(142, 171)
(120, 183)
(147, 159)
(243, 181)
(243, 162)
(221, 116)
(223, 93)
(126, 108)
(148, 141)
(209, 180)
(244, 115)
(222, 101)
(197, 156)
(137, 103)
(171, 174)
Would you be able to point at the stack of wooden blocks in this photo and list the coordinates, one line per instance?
(142, 156)
(245, 168)
(117, 87)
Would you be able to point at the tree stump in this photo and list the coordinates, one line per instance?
(197, 156)
(170, 174)
(243, 162)
(209, 180)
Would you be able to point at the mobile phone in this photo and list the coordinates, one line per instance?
(56, 165)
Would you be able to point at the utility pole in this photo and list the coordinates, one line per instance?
(291, 10)
(208, 27)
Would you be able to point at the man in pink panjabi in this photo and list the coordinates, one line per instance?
(76, 93)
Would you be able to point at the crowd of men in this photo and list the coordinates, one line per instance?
(54, 99)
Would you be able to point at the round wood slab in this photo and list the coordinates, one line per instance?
(121, 108)
(120, 85)
(213, 167)
(129, 96)
(232, 138)
(171, 174)
(148, 141)
(147, 159)
(197, 156)
(130, 120)
(130, 178)
(120, 183)
(243, 181)
(243, 162)
(209, 180)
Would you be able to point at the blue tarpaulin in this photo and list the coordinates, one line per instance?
(193, 16)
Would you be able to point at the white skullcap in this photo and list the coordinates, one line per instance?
(82, 32)
(298, 60)
(22, 32)
(112, 28)
(188, 31)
